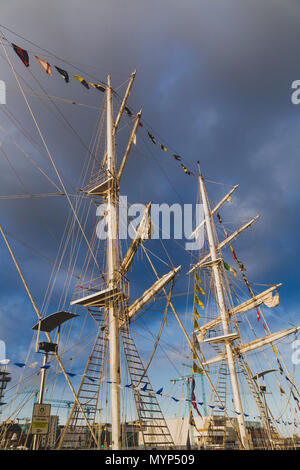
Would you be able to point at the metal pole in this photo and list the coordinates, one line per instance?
(114, 337)
(224, 316)
(35, 445)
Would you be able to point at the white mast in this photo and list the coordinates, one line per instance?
(224, 316)
(114, 338)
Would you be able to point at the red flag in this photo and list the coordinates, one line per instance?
(258, 314)
(140, 124)
(22, 54)
(193, 398)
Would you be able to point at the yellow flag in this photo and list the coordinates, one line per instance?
(271, 347)
(196, 314)
(196, 326)
(199, 289)
(197, 277)
(198, 302)
(196, 369)
(82, 81)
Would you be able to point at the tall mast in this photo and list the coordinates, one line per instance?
(224, 316)
(112, 231)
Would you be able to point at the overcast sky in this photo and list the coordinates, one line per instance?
(214, 81)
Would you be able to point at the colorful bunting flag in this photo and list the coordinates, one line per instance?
(199, 289)
(98, 87)
(128, 111)
(258, 314)
(151, 137)
(163, 147)
(22, 53)
(177, 157)
(185, 169)
(198, 302)
(46, 66)
(63, 73)
(198, 277)
(82, 81)
(193, 397)
(229, 268)
(196, 326)
(196, 313)
(196, 369)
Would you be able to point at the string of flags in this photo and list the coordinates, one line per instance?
(23, 55)
(144, 388)
(240, 265)
(46, 66)
(198, 290)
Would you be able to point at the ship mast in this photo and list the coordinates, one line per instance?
(224, 315)
(111, 248)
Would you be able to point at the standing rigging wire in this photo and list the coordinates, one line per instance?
(34, 203)
(71, 220)
(253, 331)
(48, 152)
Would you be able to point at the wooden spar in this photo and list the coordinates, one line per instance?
(214, 210)
(142, 233)
(126, 96)
(256, 344)
(127, 151)
(151, 292)
(251, 303)
(224, 243)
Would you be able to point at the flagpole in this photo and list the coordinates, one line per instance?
(35, 445)
(224, 315)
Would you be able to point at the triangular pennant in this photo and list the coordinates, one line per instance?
(196, 369)
(229, 268)
(98, 87)
(177, 157)
(82, 81)
(46, 66)
(257, 314)
(198, 302)
(188, 172)
(199, 289)
(196, 326)
(196, 313)
(128, 111)
(163, 147)
(63, 73)
(151, 137)
(197, 277)
(22, 53)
